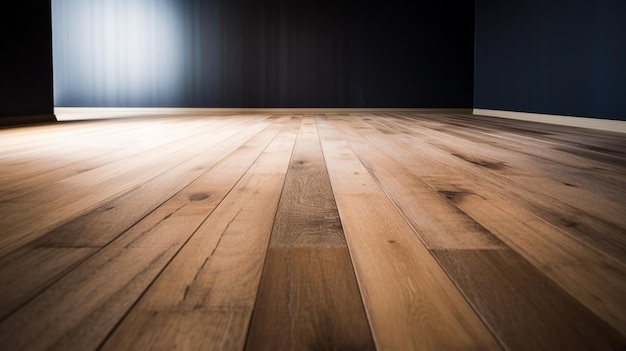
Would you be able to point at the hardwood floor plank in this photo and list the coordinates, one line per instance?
(308, 296)
(28, 271)
(603, 235)
(599, 233)
(308, 300)
(533, 141)
(37, 173)
(88, 144)
(79, 310)
(26, 138)
(576, 171)
(99, 227)
(525, 310)
(197, 289)
(411, 303)
(523, 171)
(546, 324)
(594, 278)
(395, 230)
(439, 223)
(26, 219)
(307, 215)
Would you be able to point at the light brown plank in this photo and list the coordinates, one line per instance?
(598, 283)
(551, 194)
(210, 287)
(421, 197)
(439, 223)
(52, 163)
(28, 271)
(410, 301)
(79, 310)
(99, 227)
(27, 218)
(84, 149)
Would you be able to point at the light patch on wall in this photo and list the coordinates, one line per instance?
(117, 52)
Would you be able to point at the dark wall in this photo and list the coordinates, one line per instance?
(26, 64)
(556, 57)
(282, 53)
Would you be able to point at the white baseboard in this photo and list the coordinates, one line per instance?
(82, 113)
(583, 122)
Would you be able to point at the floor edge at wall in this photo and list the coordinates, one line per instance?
(582, 122)
(22, 120)
(83, 113)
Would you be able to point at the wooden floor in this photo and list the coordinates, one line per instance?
(312, 232)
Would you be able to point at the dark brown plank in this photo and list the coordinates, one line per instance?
(308, 297)
(524, 309)
(308, 300)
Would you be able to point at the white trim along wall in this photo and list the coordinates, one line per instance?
(583, 122)
(83, 113)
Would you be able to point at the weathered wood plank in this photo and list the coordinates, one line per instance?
(582, 213)
(410, 301)
(99, 227)
(308, 297)
(79, 310)
(524, 309)
(599, 283)
(307, 215)
(27, 218)
(38, 172)
(309, 300)
(210, 286)
(463, 232)
(439, 223)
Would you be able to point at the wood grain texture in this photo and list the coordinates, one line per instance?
(487, 199)
(28, 217)
(99, 227)
(592, 216)
(410, 301)
(309, 300)
(524, 309)
(389, 230)
(308, 271)
(439, 223)
(307, 215)
(197, 289)
(31, 174)
(94, 294)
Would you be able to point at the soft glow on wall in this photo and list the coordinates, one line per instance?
(117, 52)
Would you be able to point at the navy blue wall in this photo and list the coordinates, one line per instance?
(556, 57)
(26, 60)
(276, 53)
